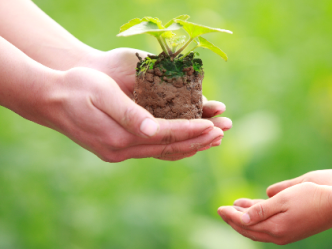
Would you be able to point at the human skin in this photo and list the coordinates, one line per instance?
(79, 102)
(297, 208)
(45, 41)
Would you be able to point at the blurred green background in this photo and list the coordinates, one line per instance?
(277, 86)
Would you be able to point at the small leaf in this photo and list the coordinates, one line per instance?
(131, 23)
(196, 30)
(203, 43)
(182, 17)
(154, 20)
(149, 27)
(136, 21)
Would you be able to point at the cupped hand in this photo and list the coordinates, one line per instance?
(120, 65)
(90, 108)
(291, 215)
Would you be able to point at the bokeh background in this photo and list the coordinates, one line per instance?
(277, 86)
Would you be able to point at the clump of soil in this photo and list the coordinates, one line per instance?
(170, 88)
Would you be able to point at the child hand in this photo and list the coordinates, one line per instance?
(291, 215)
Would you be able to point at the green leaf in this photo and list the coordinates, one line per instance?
(195, 30)
(130, 24)
(154, 20)
(148, 27)
(182, 17)
(203, 43)
(169, 35)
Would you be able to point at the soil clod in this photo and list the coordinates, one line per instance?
(170, 89)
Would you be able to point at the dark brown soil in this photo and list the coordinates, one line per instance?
(178, 97)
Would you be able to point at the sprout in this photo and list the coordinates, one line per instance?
(171, 44)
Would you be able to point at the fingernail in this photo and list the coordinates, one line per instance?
(217, 113)
(149, 127)
(207, 130)
(217, 141)
(245, 218)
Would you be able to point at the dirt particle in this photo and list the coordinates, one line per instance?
(178, 82)
(149, 77)
(156, 80)
(158, 72)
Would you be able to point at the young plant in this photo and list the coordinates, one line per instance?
(169, 85)
(171, 44)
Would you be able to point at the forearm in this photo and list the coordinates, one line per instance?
(28, 28)
(23, 81)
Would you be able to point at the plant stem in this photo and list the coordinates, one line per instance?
(170, 52)
(162, 46)
(183, 47)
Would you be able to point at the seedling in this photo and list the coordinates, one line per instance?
(171, 44)
(170, 85)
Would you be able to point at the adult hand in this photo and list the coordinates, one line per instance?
(48, 43)
(90, 108)
(291, 215)
(120, 65)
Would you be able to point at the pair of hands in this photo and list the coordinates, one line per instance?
(93, 107)
(86, 94)
(296, 209)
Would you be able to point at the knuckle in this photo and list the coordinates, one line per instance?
(129, 115)
(168, 138)
(308, 185)
(167, 150)
(260, 211)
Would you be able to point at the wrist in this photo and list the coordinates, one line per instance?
(33, 94)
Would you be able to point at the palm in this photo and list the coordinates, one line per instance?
(120, 65)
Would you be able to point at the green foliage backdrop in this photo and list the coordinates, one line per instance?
(277, 86)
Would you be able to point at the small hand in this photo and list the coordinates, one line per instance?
(120, 65)
(291, 215)
(90, 108)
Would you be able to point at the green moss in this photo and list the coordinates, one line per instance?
(170, 68)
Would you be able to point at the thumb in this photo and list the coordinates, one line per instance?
(261, 211)
(277, 187)
(132, 117)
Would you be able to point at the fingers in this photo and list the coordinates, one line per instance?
(261, 211)
(246, 203)
(257, 213)
(124, 111)
(221, 122)
(258, 232)
(173, 151)
(276, 188)
(171, 131)
(212, 108)
(177, 130)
